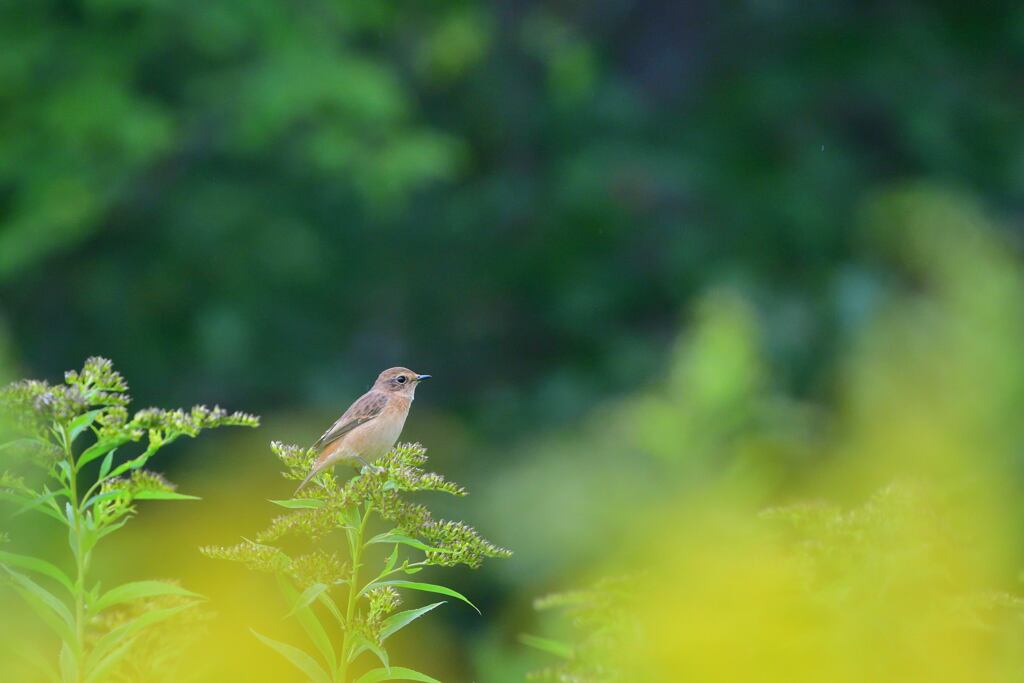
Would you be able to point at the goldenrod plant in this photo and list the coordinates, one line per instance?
(345, 603)
(78, 459)
(601, 628)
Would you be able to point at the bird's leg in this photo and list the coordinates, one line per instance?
(373, 468)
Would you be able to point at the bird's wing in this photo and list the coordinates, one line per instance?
(367, 407)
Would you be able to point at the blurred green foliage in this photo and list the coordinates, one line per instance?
(265, 199)
(872, 534)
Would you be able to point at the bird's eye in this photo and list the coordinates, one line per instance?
(401, 379)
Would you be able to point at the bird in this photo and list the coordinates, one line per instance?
(371, 426)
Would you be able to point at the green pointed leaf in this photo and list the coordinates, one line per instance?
(362, 643)
(111, 528)
(394, 537)
(136, 463)
(300, 503)
(307, 597)
(351, 517)
(89, 537)
(137, 590)
(107, 462)
(64, 470)
(100, 497)
(82, 422)
(99, 671)
(397, 673)
(553, 647)
(309, 621)
(25, 442)
(400, 620)
(327, 601)
(163, 495)
(21, 499)
(68, 665)
(392, 561)
(425, 587)
(36, 565)
(299, 659)
(43, 500)
(99, 449)
(50, 608)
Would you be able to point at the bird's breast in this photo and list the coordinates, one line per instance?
(378, 436)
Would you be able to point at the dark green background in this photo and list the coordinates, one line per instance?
(263, 203)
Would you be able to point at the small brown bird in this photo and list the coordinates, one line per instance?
(371, 426)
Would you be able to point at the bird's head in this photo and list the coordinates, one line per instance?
(399, 380)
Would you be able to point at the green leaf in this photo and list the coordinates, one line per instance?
(352, 517)
(39, 566)
(39, 501)
(300, 503)
(102, 666)
(50, 608)
(82, 422)
(136, 463)
(17, 496)
(363, 643)
(327, 601)
(64, 469)
(89, 537)
(392, 561)
(307, 597)
(553, 647)
(99, 449)
(109, 529)
(309, 621)
(396, 622)
(24, 442)
(163, 495)
(68, 665)
(100, 497)
(299, 659)
(137, 590)
(116, 636)
(393, 537)
(397, 673)
(107, 462)
(425, 587)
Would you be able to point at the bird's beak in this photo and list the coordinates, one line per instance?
(420, 378)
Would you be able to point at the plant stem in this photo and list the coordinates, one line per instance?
(356, 541)
(81, 564)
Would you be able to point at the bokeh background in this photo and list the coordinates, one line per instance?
(655, 254)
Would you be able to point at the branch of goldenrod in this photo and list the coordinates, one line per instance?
(355, 537)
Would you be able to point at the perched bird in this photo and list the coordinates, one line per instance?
(371, 426)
